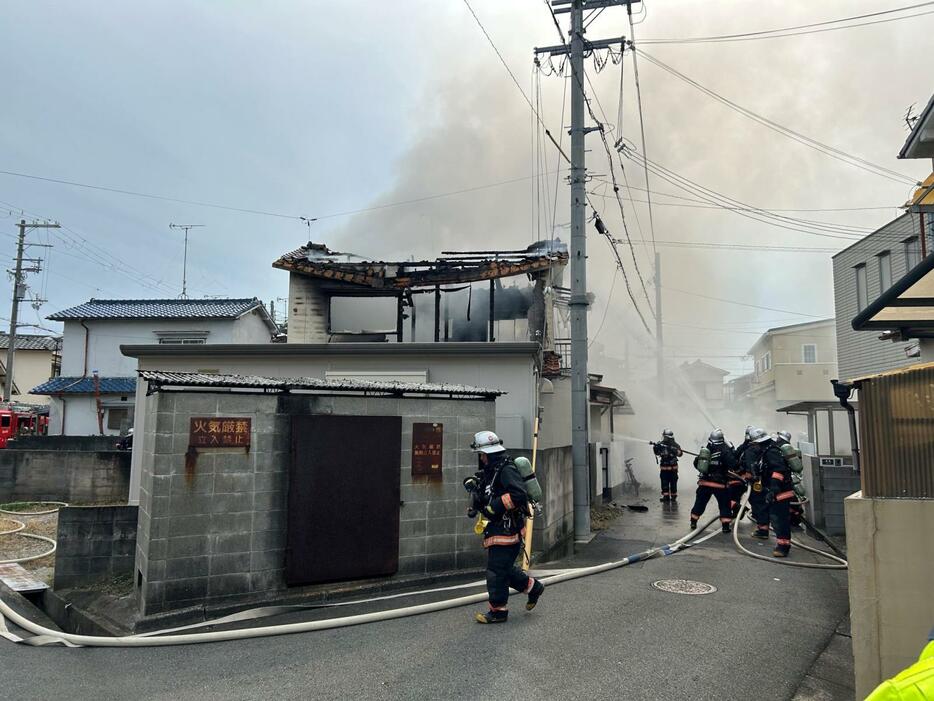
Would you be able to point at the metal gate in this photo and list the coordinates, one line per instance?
(343, 520)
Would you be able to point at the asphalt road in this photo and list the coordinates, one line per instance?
(606, 636)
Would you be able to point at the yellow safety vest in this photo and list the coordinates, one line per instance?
(913, 684)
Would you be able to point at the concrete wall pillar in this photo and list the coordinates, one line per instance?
(890, 551)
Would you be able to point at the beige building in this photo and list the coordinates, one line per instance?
(707, 382)
(794, 364)
(35, 360)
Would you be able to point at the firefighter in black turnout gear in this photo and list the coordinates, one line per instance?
(714, 462)
(772, 476)
(498, 493)
(667, 453)
(737, 484)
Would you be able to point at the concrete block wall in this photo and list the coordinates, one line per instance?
(64, 475)
(554, 528)
(890, 551)
(218, 536)
(95, 544)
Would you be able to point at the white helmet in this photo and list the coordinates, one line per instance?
(716, 437)
(757, 435)
(487, 442)
(784, 435)
(749, 430)
(129, 432)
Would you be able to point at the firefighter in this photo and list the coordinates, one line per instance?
(749, 453)
(796, 505)
(501, 498)
(667, 452)
(773, 477)
(714, 462)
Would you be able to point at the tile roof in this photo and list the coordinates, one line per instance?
(158, 309)
(30, 342)
(85, 385)
(158, 379)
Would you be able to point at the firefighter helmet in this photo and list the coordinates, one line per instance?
(668, 433)
(487, 442)
(757, 435)
(716, 437)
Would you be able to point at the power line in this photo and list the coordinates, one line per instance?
(803, 139)
(743, 304)
(280, 215)
(635, 68)
(514, 79)
(778, 32)
(741, 208)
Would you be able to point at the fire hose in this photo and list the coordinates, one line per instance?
(838, 562)
(48, 636)
(20, 526)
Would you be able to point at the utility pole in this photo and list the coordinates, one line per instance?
(659, 343)
(19, 293)
(186, 227)
(580, 399)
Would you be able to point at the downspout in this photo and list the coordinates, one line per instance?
(87, 337)
(843, 390)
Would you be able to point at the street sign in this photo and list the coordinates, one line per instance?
(219, 432)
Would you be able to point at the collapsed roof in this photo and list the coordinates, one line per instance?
(452, 267)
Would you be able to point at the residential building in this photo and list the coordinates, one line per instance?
(861, 273)
(706, 381)
(36, 358)
(794, 364)
(96, 389)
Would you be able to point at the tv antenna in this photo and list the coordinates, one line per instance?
(186, 227)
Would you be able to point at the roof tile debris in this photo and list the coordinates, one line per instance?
(85, 385)
(160, 379)
(317, 260)
(159, 309)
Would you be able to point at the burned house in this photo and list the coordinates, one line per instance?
(460, 296)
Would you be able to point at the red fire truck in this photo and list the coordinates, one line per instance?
(18, 420)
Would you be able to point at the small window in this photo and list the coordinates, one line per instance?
(862, 291)
(117, 417)
(765, 363)
(5, 421)
(809, 353)
(912, 252)
(885, 271)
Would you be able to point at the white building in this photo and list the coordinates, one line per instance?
(98, 383)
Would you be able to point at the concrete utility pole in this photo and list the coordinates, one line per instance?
(580, 400)
(186, 227)
(19, 293)
(659, 344)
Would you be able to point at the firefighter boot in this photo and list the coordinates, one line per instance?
(780, 551)
(492, 616)
(761, 533)
(534, 594)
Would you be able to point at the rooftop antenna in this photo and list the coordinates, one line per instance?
(308, 222)
(186, 227)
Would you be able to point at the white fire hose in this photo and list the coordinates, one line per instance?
(47, 636)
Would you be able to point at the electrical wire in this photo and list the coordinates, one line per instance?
(742, 304)
(803, 139)
(713, 197)
(635, 68)
(606, 309)
(794, 31)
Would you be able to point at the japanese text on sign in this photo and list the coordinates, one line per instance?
(427, 444)
(220, 432)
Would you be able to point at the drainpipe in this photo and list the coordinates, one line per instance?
(87, 337)
(843, 390)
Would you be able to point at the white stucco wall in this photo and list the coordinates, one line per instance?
(104, 341)
(513, 373)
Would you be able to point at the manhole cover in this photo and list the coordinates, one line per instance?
(684, 586)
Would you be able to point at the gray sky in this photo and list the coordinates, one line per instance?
(313, 109)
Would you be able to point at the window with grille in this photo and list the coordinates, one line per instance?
(809, 353)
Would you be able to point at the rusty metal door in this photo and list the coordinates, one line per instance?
(343, 520)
